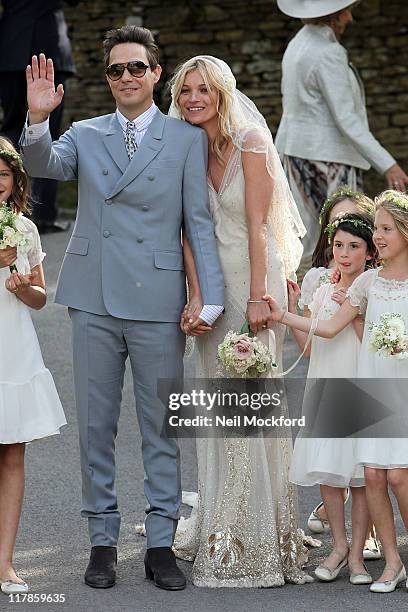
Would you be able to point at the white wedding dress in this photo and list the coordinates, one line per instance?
(243, 531)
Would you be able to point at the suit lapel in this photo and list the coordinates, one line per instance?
(115, 143)
(150, 146)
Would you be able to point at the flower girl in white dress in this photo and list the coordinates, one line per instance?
(29, 404)
(345, 200)
(330, 462)
(379, 292)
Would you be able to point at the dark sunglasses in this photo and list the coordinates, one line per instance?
(115, 71)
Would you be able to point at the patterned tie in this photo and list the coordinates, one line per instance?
(130, 139)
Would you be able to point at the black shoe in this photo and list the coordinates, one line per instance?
(101, 570)
(161, 567)
(52, 228)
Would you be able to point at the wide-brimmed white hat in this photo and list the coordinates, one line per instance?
(311, 9)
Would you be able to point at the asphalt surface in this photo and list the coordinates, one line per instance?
(53, 548)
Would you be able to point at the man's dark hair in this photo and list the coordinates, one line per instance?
(131, 34)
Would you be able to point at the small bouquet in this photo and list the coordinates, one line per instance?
(243, 355)
(389, 338)
(13, 232)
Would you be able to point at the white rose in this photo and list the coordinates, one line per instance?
(396, 326)
(10, 237)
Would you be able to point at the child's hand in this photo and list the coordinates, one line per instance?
(277, 313)
(8, 256)
(339, 295)
(335, 277)
(18, 283)
(293, 295)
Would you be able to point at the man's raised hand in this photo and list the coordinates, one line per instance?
(42, 97)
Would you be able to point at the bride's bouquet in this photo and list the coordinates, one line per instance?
(244, 356)
(13, 232)
(389, 338)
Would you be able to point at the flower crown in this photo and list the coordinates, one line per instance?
(331, 228)
(11, 156)
(394, 198)
(345, 192)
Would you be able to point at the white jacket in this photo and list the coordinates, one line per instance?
(324, 115)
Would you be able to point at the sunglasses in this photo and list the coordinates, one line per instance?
(137, 69)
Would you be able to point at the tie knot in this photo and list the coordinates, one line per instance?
(130, 126)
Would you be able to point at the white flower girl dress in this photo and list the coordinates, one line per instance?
(29, 404)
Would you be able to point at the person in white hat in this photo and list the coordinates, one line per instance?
(324, 137)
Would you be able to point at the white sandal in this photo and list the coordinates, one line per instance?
(315, 523)
(371, 549)
(318, 525)
(13, 588)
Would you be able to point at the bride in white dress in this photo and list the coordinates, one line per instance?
(243, 532)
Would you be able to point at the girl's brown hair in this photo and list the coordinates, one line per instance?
(322, 254)
(19, 197)
(362, 226)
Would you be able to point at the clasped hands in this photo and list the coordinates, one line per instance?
(258, 315)
(190, 322)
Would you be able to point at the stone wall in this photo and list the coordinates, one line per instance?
(252, 37)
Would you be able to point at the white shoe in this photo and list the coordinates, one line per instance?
(316, 524)
(361, 578)
(13, 588)
(389, 585)
(328, 575)
(371, 550)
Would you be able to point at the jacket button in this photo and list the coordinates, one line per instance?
(150, 177)
(105, 171)
(138, 284)
(106, 234)
(145, 208)
(140, 240)
(108, 202)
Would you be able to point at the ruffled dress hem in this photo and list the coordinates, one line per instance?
(30, 410)
(324, 479)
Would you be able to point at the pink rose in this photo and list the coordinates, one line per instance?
(243, 347)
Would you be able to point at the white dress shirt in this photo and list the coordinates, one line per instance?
(210, 312)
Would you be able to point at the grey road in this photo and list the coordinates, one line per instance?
(52, 548)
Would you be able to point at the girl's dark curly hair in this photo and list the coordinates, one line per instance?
(322, 254)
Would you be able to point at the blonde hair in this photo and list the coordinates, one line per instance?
(396, 204)
(218, 90)
(19, 197)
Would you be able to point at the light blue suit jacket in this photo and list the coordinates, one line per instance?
(125, 255)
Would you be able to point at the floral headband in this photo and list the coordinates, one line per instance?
(394, 198)
(332, 227)
(345, 192)
(9, 155)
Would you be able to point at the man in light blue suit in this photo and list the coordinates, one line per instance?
(141, 179)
